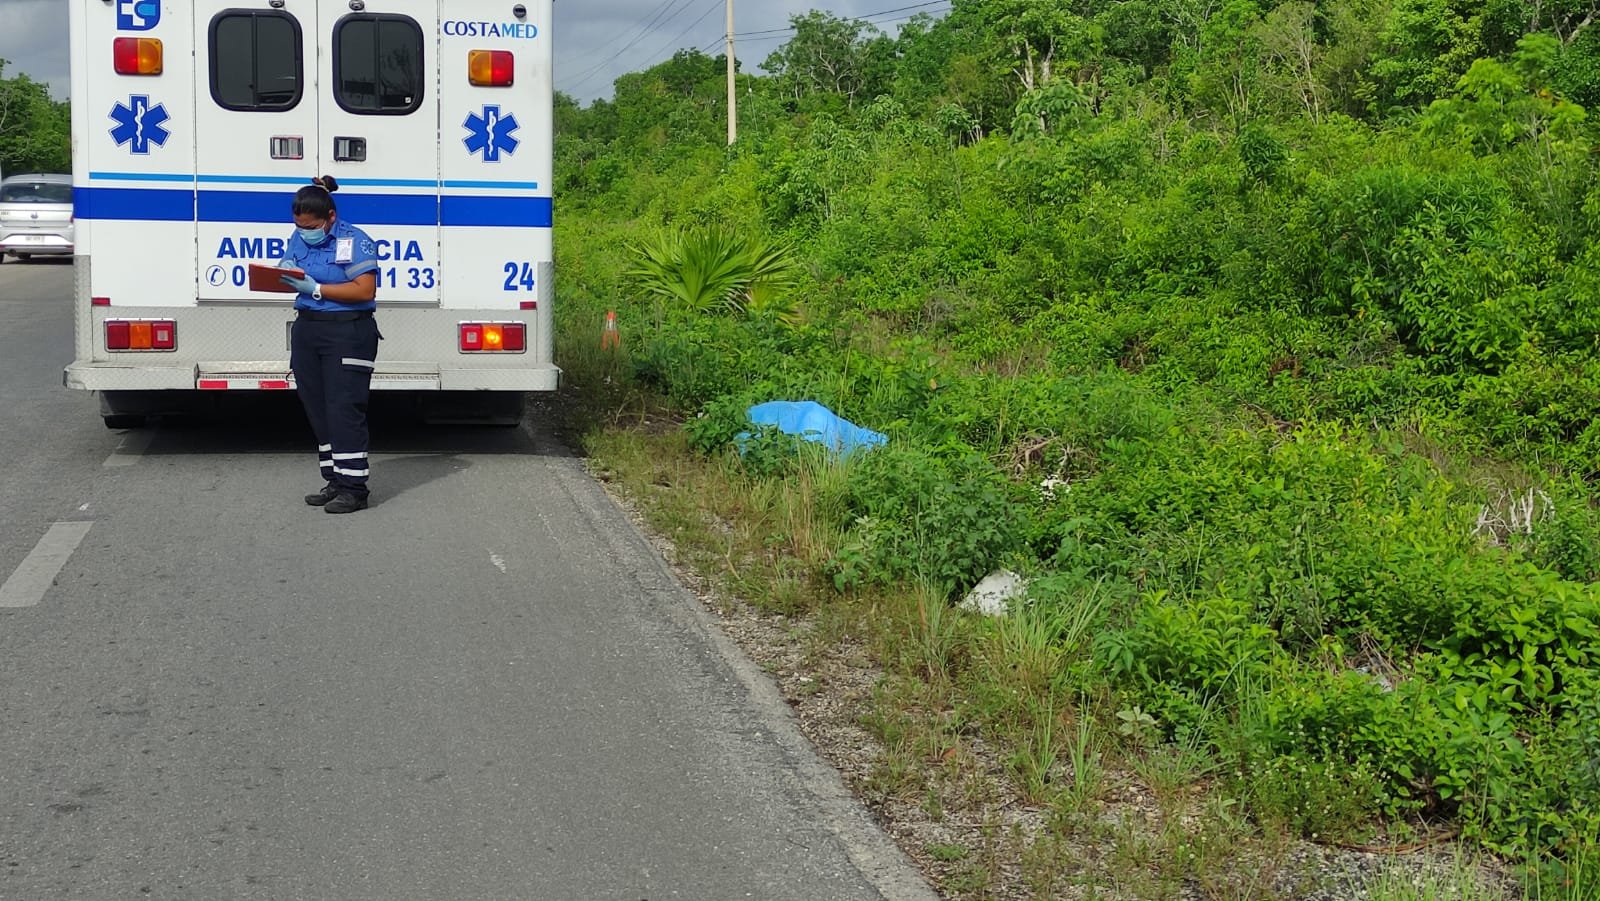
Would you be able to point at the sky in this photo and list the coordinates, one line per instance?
(596, 40)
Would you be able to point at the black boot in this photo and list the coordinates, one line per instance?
(346, 502)
(328, 493)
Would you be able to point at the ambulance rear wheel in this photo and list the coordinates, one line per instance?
(504, 408)
(127, 409)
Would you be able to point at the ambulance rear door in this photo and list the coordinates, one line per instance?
(134, 162)
(255, 135)
(379, 132)
(495, 152)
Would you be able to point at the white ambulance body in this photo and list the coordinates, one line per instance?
(195, 121)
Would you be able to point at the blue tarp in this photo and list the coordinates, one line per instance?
(814, 422)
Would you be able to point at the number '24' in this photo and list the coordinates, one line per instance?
(519, 276)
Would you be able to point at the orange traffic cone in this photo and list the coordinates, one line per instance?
(610, 338)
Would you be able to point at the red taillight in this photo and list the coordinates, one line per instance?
(141, 334)
(99, 301)
(136, 56)
(491, 68)
(494, 337)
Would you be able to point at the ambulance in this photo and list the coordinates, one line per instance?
(195, 121)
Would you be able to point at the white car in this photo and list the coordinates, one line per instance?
(36, 216)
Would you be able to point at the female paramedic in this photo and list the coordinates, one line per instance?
(335, 340)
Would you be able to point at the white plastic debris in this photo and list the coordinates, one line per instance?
(993, 596)
(1051, 487)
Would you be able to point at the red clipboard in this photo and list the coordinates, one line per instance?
(270, 278)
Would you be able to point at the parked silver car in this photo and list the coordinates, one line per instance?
(36, 215)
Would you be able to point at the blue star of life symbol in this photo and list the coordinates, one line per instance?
(139, 124)
(490, 133)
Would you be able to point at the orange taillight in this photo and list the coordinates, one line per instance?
(493, 337)
(491, 68)
(141, 334)
(136, 56)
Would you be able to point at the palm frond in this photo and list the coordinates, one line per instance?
(716, 269)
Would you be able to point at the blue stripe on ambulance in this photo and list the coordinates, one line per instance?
(175, 205)
(291, 180)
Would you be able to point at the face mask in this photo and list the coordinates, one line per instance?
(312, 236)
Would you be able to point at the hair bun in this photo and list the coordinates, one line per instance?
(326, 183)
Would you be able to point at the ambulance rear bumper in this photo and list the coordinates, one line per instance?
(120, 377)
(246, 347)
(151, 376)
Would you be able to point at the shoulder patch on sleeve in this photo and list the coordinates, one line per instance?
(364, 243)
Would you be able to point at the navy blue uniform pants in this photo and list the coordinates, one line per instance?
(333, 355)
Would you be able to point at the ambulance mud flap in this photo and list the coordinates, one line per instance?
(133, 409)
(497, 408)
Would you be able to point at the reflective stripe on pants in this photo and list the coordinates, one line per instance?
(327, 359)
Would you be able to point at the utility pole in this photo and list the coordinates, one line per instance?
(733, 93)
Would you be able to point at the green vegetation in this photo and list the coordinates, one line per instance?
(35, 131)
(1264, 337)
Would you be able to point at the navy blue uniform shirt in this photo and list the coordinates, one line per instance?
(347, 253)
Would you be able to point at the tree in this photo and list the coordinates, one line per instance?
(1293, 57)
(1031, 37)
(1428, 46)
(1034, 41)
(1497, 105)
(35, 131)
(1141, 32)
(1566, 19)
(1228, 77)
(682, 100)
(1353, 30)
(828, 55)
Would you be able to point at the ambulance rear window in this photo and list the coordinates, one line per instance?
(377, 64)
(35, 192)
(255, 60)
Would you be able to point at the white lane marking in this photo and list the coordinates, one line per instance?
(38, 570)
(131, 449)
(498, 561)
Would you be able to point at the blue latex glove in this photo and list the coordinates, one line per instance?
(304, 285)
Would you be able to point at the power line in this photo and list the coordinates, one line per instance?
(709, 10)
(622, 35)
(779, 34)
(776, 34)
(654, 21)
(860, 18)
(659, 19)
(790, 34)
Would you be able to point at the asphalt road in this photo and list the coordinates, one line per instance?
(485, 686)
